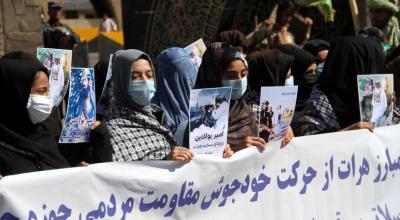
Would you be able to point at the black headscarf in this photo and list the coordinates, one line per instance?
(316, 45)
(268, 68)
(235, 38)
(348, 57)
(16, 128)
(209, 75)
(302, 61)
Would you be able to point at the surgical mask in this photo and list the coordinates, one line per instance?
(142, 91)
(39, 107)
(320, 67)
(239, 87)
(290, 81)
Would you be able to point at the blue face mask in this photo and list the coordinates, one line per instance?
(239, 87)
(320, 67)
(142, 91)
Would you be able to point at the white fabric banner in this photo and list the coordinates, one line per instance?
(346, 175)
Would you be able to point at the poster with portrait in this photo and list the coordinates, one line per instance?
(196, 51)
(106, 94)
(81, 110)
(277, 105)
(375, 93)
(58, 64)
(209, 114)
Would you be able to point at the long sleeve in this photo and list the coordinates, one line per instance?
(259, 35)
(101, 143)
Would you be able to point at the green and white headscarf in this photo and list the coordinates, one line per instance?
(393, 30)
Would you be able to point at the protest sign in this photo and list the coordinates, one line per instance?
(81, 110)
(375, 94)
(209, 113)
(58, 64)
(277, 106)
(196, 51)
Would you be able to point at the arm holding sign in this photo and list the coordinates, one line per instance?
(250, 141)
(360, 125)
(181, 154)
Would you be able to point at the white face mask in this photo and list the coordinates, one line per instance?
(39, 107)
(289, 82)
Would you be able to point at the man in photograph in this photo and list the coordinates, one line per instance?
(379, 103)
(56, 80)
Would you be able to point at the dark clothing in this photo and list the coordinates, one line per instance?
(210, 70)
(268, 68)
(317, 117)
(98, 150)
(347, 58)
(235, 38)
(316, 45)
(24, 147)
(302, 61)
(59, 35)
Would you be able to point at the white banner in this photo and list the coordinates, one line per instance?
(346, 175)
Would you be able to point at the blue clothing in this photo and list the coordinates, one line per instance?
(175, 78)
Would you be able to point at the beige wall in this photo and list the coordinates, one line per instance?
(20, 25)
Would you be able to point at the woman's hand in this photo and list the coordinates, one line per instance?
(228, 152)
(269, 21)
(180, 154)
(308, 21)
(250, 141)
(288, 137)
(360, 125)
(83, 164)
(95, 124)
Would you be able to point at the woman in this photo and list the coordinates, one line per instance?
(319, 48)
(225, 66)
(136, 132)
(175, 78)
(25, 145)
(95, 151)
(303, 71)
(333, 104)
(270, 68)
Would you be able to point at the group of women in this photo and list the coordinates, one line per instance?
(149, 116)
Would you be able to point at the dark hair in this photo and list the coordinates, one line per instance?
(286, 5)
